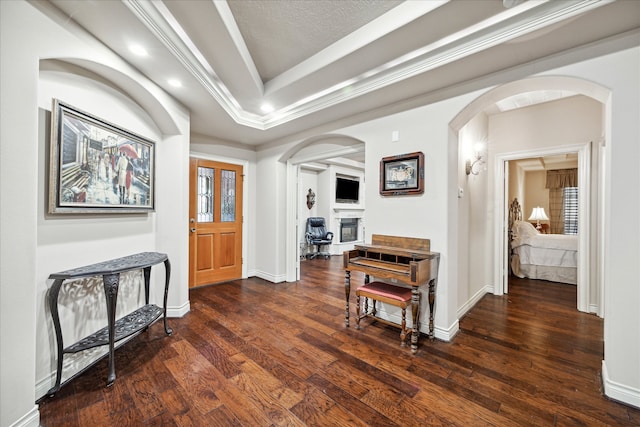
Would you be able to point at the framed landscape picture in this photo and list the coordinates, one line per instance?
(96, 166)
(402, 174)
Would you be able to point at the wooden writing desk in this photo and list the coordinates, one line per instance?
(398, 259)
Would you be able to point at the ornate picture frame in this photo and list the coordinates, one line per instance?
(98, 167)
(402, 174)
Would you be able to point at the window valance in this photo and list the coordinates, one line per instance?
(561, 178)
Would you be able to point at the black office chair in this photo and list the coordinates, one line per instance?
(318, 235)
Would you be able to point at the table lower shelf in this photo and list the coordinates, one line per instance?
(124, 327)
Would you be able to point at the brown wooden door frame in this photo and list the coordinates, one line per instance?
(215, 248)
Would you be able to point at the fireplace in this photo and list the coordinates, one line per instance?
(348, 230)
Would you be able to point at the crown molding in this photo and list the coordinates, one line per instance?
(514, 22)
(166, 29)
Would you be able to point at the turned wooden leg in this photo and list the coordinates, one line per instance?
(403, 331)
(432, 299)
(347, 292)
(358, 311)
(415, 310)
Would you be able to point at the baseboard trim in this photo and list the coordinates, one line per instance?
(619, 392)
(448, 333)
(179, 311)
(474, 300)
(393, 314)
(271, 277)
(30, 419)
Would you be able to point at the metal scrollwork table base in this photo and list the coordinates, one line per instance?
(115, 330)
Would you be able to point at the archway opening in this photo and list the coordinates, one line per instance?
(326, 154)
(493, 212)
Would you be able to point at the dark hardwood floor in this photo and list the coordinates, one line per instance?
(253, 353)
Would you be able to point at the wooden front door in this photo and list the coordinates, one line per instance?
(215, 222)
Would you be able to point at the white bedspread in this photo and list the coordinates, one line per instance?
(557, 250)
(548, 241)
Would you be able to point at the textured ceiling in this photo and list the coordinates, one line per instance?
(282, 33)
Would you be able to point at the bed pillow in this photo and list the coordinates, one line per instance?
(524, 229)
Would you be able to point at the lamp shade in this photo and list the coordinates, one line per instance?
(538, 214)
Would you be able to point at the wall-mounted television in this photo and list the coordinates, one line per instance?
(347, 190)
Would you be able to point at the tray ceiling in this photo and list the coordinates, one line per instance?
(325, 61)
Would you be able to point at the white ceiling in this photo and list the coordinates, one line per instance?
(557, 161)
(319, 62)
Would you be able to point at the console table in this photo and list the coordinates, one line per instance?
(115, 330)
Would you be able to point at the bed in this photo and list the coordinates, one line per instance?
(552, 257)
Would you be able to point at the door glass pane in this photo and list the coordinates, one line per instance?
(228, 189)
(205, 194)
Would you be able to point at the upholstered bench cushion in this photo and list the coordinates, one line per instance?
(386, 290)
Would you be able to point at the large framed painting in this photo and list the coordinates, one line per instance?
(98, 167)
(402, 174)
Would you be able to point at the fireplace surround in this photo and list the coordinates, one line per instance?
(348, 230)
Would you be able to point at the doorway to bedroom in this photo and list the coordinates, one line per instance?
(543, 218)
(575, 122)
(589, 197)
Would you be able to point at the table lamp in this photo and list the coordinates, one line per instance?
(538, 214)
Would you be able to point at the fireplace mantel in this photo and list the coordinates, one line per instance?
(348, 213)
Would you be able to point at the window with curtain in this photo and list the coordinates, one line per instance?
(563, 200)
(570, 209)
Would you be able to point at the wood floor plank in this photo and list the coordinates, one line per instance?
(175, 402)
(255, 353)
(196, 377)
(351, 403)
(145, 396)
(359, 364)
(313, 408)
(276, 389)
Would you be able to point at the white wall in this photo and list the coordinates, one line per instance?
(18, 217)
(271, 195)
(474, 277)
(621, 367)
(35, 244)
(428, 215)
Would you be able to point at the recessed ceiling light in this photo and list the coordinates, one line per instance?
(266, 108)
(138, 50)
(175, 82)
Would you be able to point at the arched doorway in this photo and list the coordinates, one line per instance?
(591, 190)
(314, 149)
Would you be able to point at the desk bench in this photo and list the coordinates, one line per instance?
(389, 294)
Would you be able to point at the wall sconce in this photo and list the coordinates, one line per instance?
(538, 214)
(470, 166)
